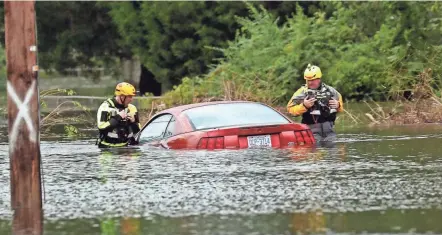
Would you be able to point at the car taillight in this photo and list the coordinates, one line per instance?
(203, 143)
(310, 136)
(299, 138)
(307, 137)
(211, 143)
(219, 144)
(304, 137)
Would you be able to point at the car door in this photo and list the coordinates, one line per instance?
(154, 132)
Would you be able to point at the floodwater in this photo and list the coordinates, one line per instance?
(385, 180)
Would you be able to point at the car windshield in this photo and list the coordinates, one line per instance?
(233, 114)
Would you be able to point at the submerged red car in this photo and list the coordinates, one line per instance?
(223, 125)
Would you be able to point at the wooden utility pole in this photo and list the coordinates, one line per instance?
(23, 117)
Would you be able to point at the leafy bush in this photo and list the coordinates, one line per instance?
(360, 56)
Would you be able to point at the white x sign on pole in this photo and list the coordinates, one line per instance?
(23, 113)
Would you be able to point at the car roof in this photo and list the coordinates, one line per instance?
(178, 109)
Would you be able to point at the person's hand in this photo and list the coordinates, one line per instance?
(123, 114)
(308, 103)
(131, 117)
(334, 104)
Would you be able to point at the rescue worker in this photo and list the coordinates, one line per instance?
(318, 104)
(117, 119)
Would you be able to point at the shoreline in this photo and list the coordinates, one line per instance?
(357, 115)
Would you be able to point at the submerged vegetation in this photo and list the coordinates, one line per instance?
(63, 115)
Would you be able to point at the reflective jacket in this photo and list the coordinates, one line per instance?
(115, 131)
(296, 107)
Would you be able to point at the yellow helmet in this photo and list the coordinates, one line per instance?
(125, 88)
(312, 72)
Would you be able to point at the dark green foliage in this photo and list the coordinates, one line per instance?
(170, 38)
(365, 49)
(75, 34)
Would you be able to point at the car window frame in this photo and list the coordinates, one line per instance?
(168, 124)
(153, 120)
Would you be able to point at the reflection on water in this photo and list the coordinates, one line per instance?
(374, 182)
(388, 221)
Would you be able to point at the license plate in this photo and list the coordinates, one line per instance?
(259, 141)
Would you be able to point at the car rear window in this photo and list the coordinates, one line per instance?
(236, 114)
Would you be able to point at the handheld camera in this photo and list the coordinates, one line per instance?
(320, 107)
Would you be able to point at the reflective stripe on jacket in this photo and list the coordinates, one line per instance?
(114, 131)
(296, 107)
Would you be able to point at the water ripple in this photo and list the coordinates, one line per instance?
(361, 173)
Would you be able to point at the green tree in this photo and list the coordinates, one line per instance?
(76, 34)
(362, 58)
(170, 37)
